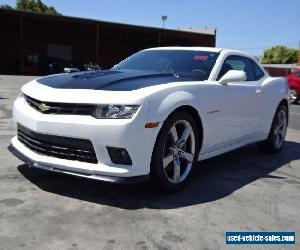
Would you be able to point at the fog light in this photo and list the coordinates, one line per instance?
(119, 156)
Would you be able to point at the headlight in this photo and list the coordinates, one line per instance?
(115, 111)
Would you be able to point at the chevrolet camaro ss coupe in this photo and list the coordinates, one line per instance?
(152, 116)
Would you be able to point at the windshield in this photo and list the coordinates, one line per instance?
(196, 64)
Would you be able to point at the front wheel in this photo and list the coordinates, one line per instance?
(175, 152)
(276, 137)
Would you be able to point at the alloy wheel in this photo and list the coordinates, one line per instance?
(179, 151)
(280, 128)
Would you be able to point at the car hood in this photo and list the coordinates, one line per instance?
(112, 80)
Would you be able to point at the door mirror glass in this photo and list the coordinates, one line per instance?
(233, 76)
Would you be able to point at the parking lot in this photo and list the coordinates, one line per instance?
(244, 190)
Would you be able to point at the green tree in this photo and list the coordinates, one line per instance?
(34, 6)
(280, 55)
(6, 6)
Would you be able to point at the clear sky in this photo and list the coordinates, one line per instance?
(251, 25)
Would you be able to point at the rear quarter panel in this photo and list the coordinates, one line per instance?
(274, 90)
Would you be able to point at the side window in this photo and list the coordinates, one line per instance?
(237, 63)
(297, 74)
(258, 73)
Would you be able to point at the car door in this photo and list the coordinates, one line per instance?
(239, 104)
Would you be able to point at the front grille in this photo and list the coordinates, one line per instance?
(57, 146)
(59, 108)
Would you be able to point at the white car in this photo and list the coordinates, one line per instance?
(154, 115)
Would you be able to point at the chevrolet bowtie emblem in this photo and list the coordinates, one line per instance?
(43, 107)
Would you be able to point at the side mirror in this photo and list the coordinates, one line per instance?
(233, 76)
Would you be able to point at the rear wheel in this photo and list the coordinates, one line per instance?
(277, 133)
(175, 152)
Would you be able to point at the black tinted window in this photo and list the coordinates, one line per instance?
(196, 64)
(258, 73)
(237, 63)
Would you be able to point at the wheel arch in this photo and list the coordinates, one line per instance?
(183, 108)
(282, 102)
(164, 105)
(193, 112)
(286, 104)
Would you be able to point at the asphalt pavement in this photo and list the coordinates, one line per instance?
(295, 116)
(244, 190)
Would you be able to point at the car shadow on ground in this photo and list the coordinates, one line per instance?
(213, 179)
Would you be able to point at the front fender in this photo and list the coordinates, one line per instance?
(162, 106)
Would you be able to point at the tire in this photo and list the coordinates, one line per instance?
(293, 96)
(175, 152)
(275, 140)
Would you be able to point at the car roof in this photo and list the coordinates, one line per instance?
(209, 49)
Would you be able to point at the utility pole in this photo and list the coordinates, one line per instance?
(164, 19)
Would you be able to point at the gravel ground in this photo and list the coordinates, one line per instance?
(244, 190)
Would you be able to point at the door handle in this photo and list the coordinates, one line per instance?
(258, 91)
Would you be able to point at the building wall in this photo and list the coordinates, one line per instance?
(10, 47)
(26, 39)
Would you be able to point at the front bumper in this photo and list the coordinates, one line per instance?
(58, 169)
(129, 134)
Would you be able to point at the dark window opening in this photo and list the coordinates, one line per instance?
(258, 73)
(237, 63)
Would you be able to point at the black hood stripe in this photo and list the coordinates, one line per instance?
(113, 80)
